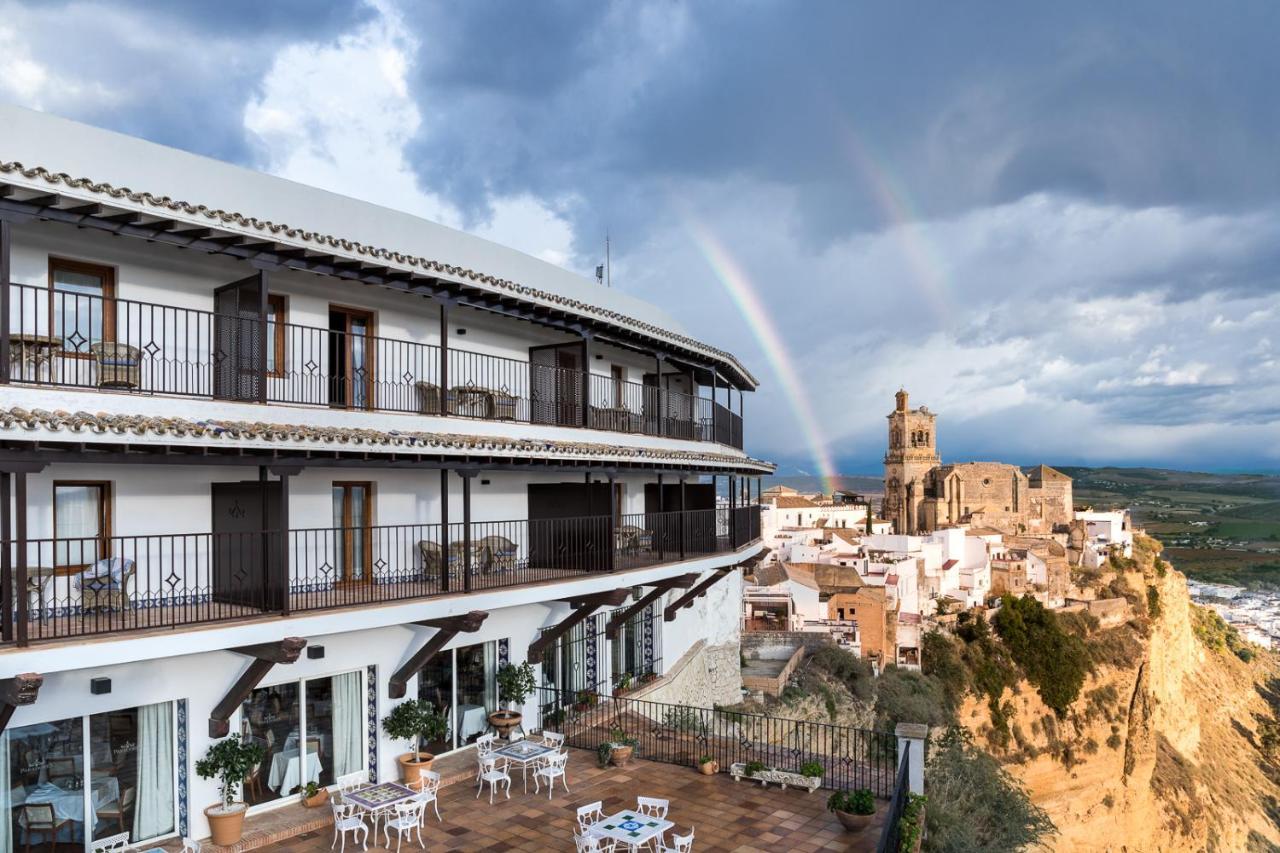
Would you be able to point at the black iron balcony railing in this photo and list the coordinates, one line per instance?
(79, 340)
(59, 588)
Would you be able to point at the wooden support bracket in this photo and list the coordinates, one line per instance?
(16, 692)
(265, 656)
(689, 597)
(619, 619)
(447, 628)
(581, 608)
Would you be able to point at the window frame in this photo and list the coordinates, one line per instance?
(277, 318)
(105, 519)
(366, 525)
(108, 276)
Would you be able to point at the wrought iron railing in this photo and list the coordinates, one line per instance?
(891, 831)
(69, 587)
(80, 340)
(682, 734)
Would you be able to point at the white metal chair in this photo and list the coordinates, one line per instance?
(119, 841)
(428, 788)
(590, 814)
(493, 772)
(593, 844)
(347, 818)
(551, 768)
(351, 782)
(190, 845)
(555, 740)
(515, 736)
(652, 807)
(407, 821)
(679, 843)
(484, 746)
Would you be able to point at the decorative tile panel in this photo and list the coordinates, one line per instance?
(371, 689)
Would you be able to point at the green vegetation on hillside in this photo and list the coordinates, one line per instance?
(1053, 660)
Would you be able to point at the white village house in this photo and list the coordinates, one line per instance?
(273, 460)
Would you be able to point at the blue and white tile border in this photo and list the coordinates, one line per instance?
(371, 690)
(183, 782)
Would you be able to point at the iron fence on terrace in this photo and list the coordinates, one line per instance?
(851, 758)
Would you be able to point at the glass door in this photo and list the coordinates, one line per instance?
(131, 776)
(435, 685)
(476, 695)
(353, 518)
(271, 717)
(351, 358)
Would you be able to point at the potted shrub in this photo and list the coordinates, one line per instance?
(708, 766)
(853, 808)
(622, 682)
(515, 683)
(230, 761)
(419, 723)
(585, 699)
(621, 747)
(813, 770)
(314, 796)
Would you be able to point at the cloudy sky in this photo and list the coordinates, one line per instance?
(1057, 226)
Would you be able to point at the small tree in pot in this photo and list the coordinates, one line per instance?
(418, 722)
(515, 684)
(230, 761)
(854, 808)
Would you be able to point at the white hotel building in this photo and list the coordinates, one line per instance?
(272, 459)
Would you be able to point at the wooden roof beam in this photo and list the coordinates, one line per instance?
(621, 617)
(697, 592)
(447, 628)
(17, 692)
(265, 656)
(581, 608)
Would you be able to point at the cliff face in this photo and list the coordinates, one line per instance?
(1159, 753)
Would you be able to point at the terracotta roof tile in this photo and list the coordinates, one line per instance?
(391, 441)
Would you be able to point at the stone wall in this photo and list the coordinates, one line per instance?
(705, 676)
(755, 643)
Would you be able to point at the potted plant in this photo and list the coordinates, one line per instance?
(515, 683)
(230, 761)
(314, 796)
(813, 770)
(419, 723)
(708, 766)
(622, 682)
(585, 699)
(621, 747)
(603, 753)
(853, 808)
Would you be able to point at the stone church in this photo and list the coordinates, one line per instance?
(921, 494)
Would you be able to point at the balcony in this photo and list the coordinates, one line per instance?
(59, 338)
(86, 587)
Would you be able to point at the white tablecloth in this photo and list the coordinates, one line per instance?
(69, 805)
(286, 771)
(472, 720)
(291, 742)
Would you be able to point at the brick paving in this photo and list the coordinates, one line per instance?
(726, 815)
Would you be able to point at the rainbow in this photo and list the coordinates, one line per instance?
(926, 265)
(747, 300)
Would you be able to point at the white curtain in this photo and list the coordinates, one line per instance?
(153, 803)
(6, 799)
(348, 724)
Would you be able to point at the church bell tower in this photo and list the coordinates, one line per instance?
(912, 454)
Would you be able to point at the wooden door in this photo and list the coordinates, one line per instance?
(352, 372)
(353, 520)
(247, 563)
(240, 340)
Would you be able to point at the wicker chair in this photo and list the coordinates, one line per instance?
(495, 553)
(105, 584)
(119, 365)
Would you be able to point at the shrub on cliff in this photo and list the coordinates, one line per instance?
(906, 696)
(1055, 661)
(974, 804)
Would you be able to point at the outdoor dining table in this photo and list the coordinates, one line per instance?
(380, 796)
(630, 828)
(524, 753)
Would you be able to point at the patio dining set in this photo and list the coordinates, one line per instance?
(393, 806)
(643, 828)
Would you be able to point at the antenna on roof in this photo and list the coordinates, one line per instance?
(608, 273)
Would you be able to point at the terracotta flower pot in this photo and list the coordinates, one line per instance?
(226, 826)
(854, 822)
(709, 768)
(504, 722)
(620, 755)
(321, 797)
(413, 763)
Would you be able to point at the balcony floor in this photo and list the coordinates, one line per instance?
(725, 815)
